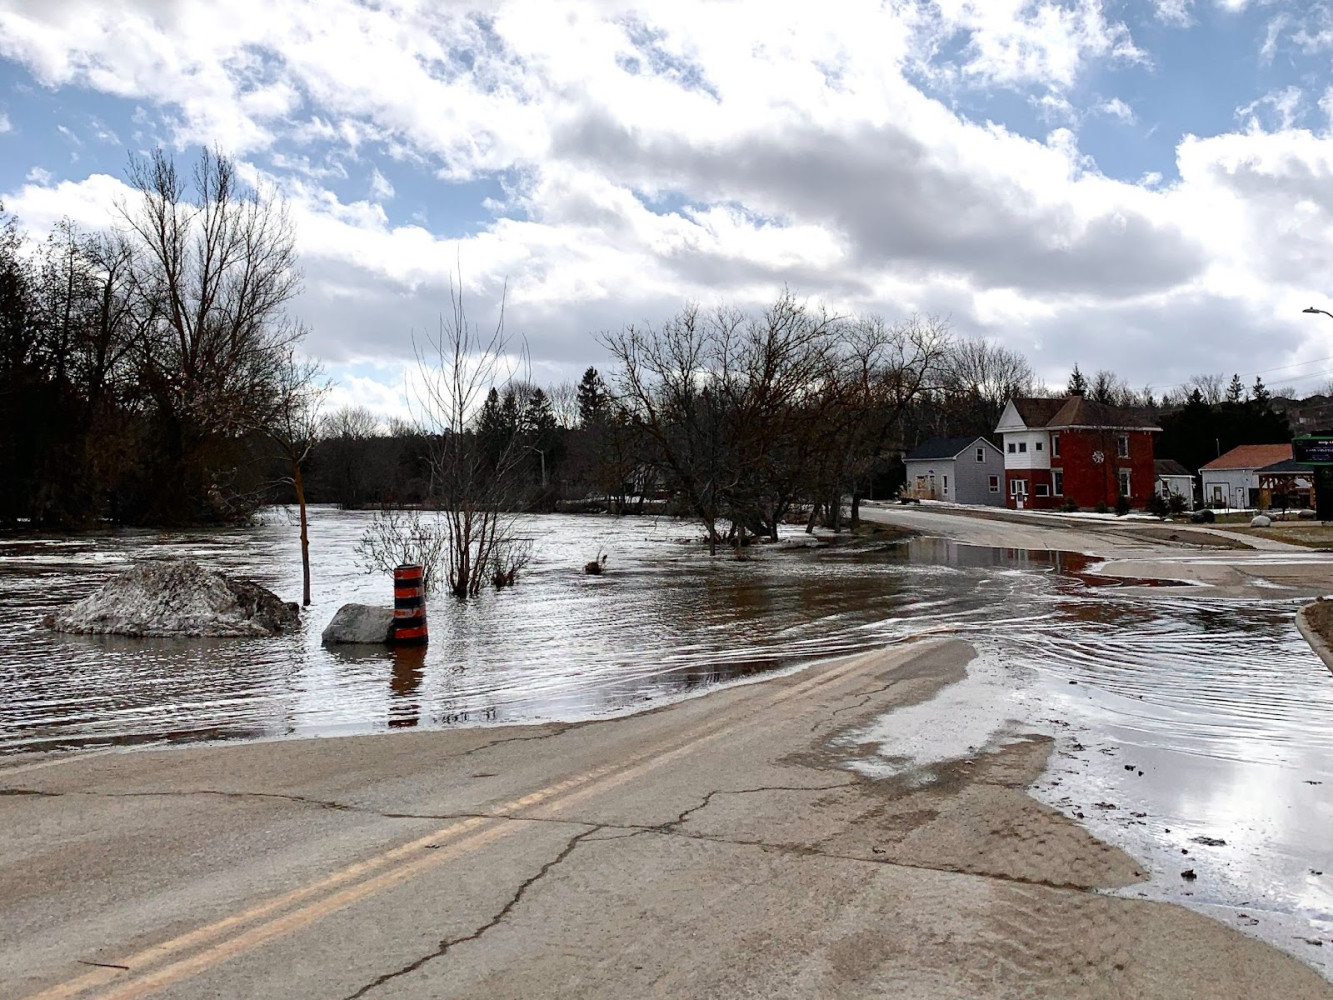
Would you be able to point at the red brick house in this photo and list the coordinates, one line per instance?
(1075, 450)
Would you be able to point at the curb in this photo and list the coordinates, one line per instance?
(1313, 638)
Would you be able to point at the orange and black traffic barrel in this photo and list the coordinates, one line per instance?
(409, 606)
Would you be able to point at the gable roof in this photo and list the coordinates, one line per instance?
(941, 447)
(1169, 467)
(1036, 411)
(1288, 466)
(1078, 411)
(1249, 456)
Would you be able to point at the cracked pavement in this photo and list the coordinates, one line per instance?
(719, 847)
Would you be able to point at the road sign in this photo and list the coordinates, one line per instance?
(1313, 449)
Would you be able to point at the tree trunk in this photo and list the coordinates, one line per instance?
(856, 509)
(810, 521)
(305, 537)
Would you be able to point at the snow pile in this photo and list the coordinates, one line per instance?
(177, 598)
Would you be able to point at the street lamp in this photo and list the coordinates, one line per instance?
(1312, 309)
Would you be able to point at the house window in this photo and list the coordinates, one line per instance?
(1022, 446)
(1043, 490)
(946, 486)
(1038, 446)
(1018, 487)
(995, 484)
(981, 454)
(1124, 482)
(1058, 482)
(1055, 448)
(1218, 498)
(1122, 447)
(1012, 447)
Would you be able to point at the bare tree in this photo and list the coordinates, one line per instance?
(215, 267)
(293, 425)
(564, 397)
(477, 488)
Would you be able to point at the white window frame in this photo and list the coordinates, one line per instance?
(1022, 447)
(981, 454)
(1058, 482)
(1122, 446)
(1055, 445)
(994, 484)
(1043, 490)
(1037, 446)
(1126, 484)
(1018, 487)
(946, 486)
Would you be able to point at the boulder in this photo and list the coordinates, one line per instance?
(1260, 521)
(178, 598)
(363, 623)
(1305, 514)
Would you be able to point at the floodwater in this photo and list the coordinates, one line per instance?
(1175, 716)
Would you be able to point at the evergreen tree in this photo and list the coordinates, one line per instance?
(1077, 383)
(1260, 395)
(1235, 391)
(592, 397)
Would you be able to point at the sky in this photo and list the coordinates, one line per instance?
(1144, 185)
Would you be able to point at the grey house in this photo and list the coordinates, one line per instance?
(966, 470)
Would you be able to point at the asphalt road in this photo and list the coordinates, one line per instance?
(718, 847)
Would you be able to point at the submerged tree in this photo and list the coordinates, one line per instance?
(477, 484)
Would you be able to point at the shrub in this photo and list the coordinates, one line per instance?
(1157, 505)
(1101, 507)
(1176, 504)
(1121, 506)
(1069, 507)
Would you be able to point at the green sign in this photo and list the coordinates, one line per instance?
(1312, 449)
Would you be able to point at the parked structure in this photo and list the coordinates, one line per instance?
(963, 470)
(1075, 450)
(1172, 477)
(1232, 480)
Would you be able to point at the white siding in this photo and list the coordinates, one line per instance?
(1027, 450)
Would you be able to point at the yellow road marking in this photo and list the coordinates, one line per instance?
(599, 781)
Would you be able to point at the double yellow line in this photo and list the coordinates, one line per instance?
(243, 931)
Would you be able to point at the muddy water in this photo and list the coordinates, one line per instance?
(1176, 717)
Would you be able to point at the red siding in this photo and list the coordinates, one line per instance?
(1086, 482)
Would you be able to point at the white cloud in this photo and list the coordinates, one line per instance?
(648, 161)
(1278, 109)
(1174, 12)
(380, 188)
(5, 125)
(1117, 108)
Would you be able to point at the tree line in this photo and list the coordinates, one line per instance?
(149, 374)
(146, 370)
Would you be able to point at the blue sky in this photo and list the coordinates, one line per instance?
(1140, 186)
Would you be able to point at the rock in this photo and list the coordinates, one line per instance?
(360, 623)
(1209, 841)
(1260, 521)
(1305, 514)
(1204, 516)
(178, 598)
(1188, 875)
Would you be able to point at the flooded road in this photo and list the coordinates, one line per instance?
(1176, 717)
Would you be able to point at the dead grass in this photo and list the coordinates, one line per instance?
(1184, 536)
(1312, 535)
(1319, 616)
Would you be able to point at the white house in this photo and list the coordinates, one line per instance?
(1172, 477)
(1232, 480)
(967, 470)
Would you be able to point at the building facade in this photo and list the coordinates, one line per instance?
(1075, 451)
(1231, 481)
(968, 470)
